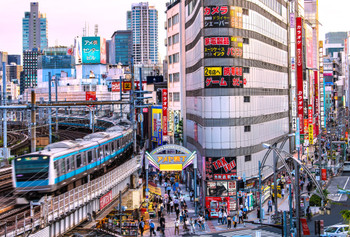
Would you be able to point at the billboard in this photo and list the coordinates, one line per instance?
(220, 168)
(91, 50)
(165, 111)
(309, 46)
(299, 56)
(156, 122)
(106, 199)
(103, 51)
(224, 77)
(223, 47)
(223, 16)
(115, 86)
(90, 95)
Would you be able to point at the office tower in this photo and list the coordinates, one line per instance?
(14, 58)
(121, 47)
(34, 29)
(334, 42)
(142, 20)
(13, 72)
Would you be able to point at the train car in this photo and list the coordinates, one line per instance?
(64, 165)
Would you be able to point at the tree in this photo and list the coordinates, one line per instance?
(346, 215)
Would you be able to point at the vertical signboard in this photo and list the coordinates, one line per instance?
(299, 56)
(321, 88)
(311, 125)
(156, 122)
(324, 174)
(297, 134)
(309, 46)
(103, 51)
(165, 111)
(91, 50)
(316, 104)
(306, 230)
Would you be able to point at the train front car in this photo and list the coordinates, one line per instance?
(31, 177)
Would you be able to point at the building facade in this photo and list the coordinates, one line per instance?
(142, 20)
(121, 47)
(236, 68)
(13, 58)
(34, 29)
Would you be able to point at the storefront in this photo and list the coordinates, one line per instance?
(220, 185)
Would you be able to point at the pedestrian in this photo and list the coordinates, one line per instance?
(151, 228)
(177, 211)
(203, 224)
(224, 219)
(191, 195)
(308, 213)
(240, 215)
(168, 189)
(245, 211)
(142, 226)
(302, 185)
(229, 222)
(269, 204)
(162, 225)
(193, 230)
(220, 217)
(171, 206)
(234, 221)
(177, 224)
(258, 213)
(282, 192)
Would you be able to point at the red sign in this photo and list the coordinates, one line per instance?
(306, 230)
(145, 110)
(165, 111)
(220, 168)
(310, 114)
(306, 127)
(115, 86)
(324, 174)
(137, 85)
(299, 55)
(106, 199)
(90, 95)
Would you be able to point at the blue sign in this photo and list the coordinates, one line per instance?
(297, 134)
(160, 137)
(91, 49)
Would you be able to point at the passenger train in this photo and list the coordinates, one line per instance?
(64, 165)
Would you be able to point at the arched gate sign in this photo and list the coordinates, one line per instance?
(170, 157)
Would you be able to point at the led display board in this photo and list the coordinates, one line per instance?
(223, 47)
(224, 77)
(91, 50)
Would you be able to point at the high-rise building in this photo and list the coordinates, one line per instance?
(236, 88)
(13, 72)
(334, 42)
(142, 20)
(121, 47)
(13, 58)
(30, 67)
(34, 29)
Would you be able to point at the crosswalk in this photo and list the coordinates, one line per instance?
(250, 233)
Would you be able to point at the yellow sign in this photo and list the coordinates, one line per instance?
(212, 71)
(311, 134)
(320, 44)
(155, 190)
(170, 159)
(173, 167)
(126, 86)
(321, 69)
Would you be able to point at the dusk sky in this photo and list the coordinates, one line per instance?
(66, 19)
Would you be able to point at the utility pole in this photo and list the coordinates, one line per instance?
(50, 118)
(260, 193)
(297, 198)
(275, 179)
(4, 141)
(121, 95)
(33, 122)
(141, 112)
(132, 104)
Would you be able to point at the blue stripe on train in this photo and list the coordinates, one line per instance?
(89, 166)
(24, 184)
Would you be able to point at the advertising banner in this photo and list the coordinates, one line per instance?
(224, 77)
(297, 134)
(306, 230)
(103, 51)
(90, 95)
(156, 122)
(126, 85)
(299, 57)
(324, 174)
(309, 46)
(223, 16)
(223, 47)
(316, 104)
(106, 199)
(220, 168)
(154, 189)
(165, 111)
(311, 126)
(91, 49)
(115, 86)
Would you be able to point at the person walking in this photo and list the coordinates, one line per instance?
(171, 206)
(142, 226)
(234, 221)
(151, 228)
(220, 217)
(282, 193)
(258, 213)
(240, 215)
(162, 225)
(177, 211)
(224, 219)
(269, 204)
(193, 228)
(229, 219)
(177, 225)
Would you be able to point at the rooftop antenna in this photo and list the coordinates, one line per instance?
(96, 29)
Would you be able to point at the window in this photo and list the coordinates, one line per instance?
(169, 41)
(175, 19)
(170, 96)
(170, 77)
(170, 59)
(89, 156)
(69, 165)
(246, 70)
(191, 6)
(247, 128)
(176, 58)
(176, 96)
(176, 77)
(247, 158)
(78, 159)
(245, 11)
(169, 22)
(246, 99)
(63, 166)
(245, 40)
(112, 147)
(176, 38)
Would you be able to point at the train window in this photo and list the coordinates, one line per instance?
(118, 143)
(63, 166)
(78, 160)
(56, 167)
(112, 147)
(83, 158)
(89, 156)
(69, 166)
(106, 150)
(100, 152)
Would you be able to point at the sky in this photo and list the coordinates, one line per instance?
(67, 18)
